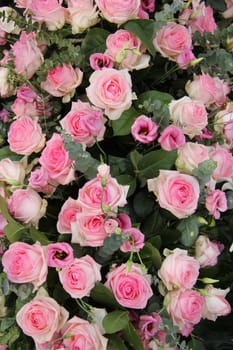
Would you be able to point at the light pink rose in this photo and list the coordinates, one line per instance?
(85, 123)
(135, 241)
(40, 181)
(127, 50)
(118, 11)
(179, 270)
(215, 303)
(110, 89)
(216, 202)
(185, 308)
(210, 91)
(11, 171)
(176, 192)
(144, 129)
(228, 132)
(190, 155)
(3, 346)
(190, 116)
(207, 252)
(55, 159)
(22, 3)
(203, 19)
(67, 215)
(25, 136)
(26, 103)
(228, 13)
(7, 89)
(171, 138)
(172, 39)
(85, 335)
(81, 14)
(25, 263)
(48, 11)
(224, 159)
(27, 206)
(56, 343)
(59, 254)
(148, 324)
(41, 318)
(223, 123)
(100, 60)
(79, 276)
(131, 288)
(62, 81)
(184, 58)
(3, 223)
(102, 193)
(27, 55)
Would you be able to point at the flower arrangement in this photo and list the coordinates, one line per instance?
(116, 174)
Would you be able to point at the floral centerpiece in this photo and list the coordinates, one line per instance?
(116, 174)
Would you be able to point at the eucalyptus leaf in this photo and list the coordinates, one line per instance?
(189, 229)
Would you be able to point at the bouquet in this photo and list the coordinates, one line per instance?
(116, 174)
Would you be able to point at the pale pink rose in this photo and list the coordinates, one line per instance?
(110, 89)
(25, 263)
(144, 129)
(62, 81)
(27, 55)
(11, 171)
(179, 270)
(224, 159)
(191, 116)
(127, 50)
(110, 225)
(82, 14)
(172, 39)
(85, 123)
(190, 155)
(89, 230)
(49, 12)
(222, 117)
(176, 192)
(228, 13)
(185, 309)
(228, 132)
(98, 61)
(41, 318)
(148, 324)
(131, 288)
(3, 223)
(59, 254)
(215, 303)
(26, 103)
(67, 215)
(135, 241)
(27, 206)
(208, 90)
(185, 58)
(55, 159)
(207, 252)
(203, 19)
(3, 346)
(78, 277)
(102, 193)
(56, 343)
(171, 138)
(85, 335)
(40, 181)
(22, 3)
(118, 11)
(216, 202)
(7, 89)
(25, 136)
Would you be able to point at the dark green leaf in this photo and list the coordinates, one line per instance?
(132, 337)
(5, 152)
(135, 158)
(153, 223)
(6, 323)
(122, 126)
(143, 204)
(195, 344)
(94, 41)
(150, 255)
(103, 295)
(152, 96)
(127, 180)
(189, 229)
(229, 199)
(218, 5)
(115, 321)
(11, 336)
(115, 343)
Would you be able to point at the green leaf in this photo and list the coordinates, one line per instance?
(151, 255)
(115, 343)
(132, 337)
(127, 180)
(144, 29)
(218, 5)
(153, 223)
(122, 126)
(103, 295)
(94, 41)
(229, 195)
(11, 336)
(195, 344)
(152, 96)
(5, 152)
(6, 323)
(143, 204)
(115, 321)
(38, 236)
(189, 229)
(135, 158)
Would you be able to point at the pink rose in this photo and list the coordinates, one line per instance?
(85, 335)
(40, 181)
(185, 58)
(171, 138)
(81, 14)
(176, 192)
(118, 11)
(224, 159)
(27, 206)
(148, 324)
(48, 11)
(59, 254)
(27, 55)
(127, 50)
(216, 202)
(228, 13)
(22, 3)
(25, 136)
(207, 252)
(85, 123)
(98, 61)
(202, 19)
(179, 270)
(56, 343)
(185, 308)
(172, 39)
(190, 155)
(215, 303)
(55, 159)
(41, 318)
(102, 193)
(144, 129)
(190, 116)
(131, 288)
(62, 81)
(110, 89)
(3, 223)
(67, 215)
(79, 276)
(11, 171)
(135, 241)
(25, 263)
(222, 118)
(26, 103)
